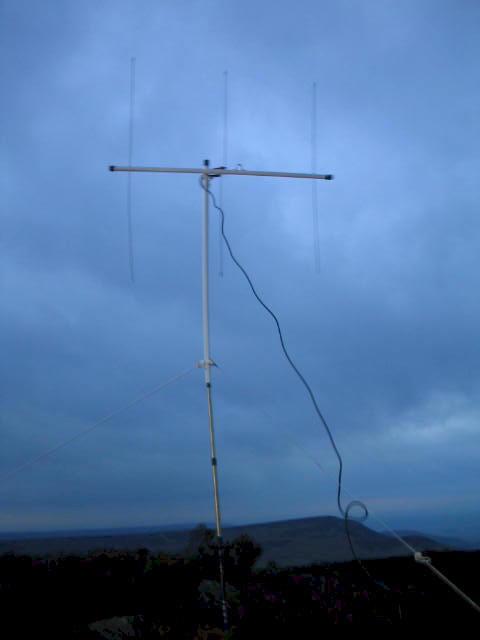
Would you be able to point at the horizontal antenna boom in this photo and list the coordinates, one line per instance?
(224, 172)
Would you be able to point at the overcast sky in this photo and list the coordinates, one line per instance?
(386, 330)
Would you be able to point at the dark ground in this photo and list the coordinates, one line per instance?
(138, 594)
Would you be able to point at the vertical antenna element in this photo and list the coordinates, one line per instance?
(316, 231)
(129, 177)
(224, 163)
(225, 118)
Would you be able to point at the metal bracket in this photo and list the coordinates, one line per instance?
(203, 363)
(215, 175)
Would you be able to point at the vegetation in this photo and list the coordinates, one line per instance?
(178, 596)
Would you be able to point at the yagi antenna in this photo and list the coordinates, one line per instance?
(207, 174)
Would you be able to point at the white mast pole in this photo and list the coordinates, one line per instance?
(207, 363)
(206, 327)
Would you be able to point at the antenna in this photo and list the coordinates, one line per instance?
(208, 174)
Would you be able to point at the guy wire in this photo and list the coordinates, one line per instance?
(96, 424)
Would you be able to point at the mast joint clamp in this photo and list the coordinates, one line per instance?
(204, 363)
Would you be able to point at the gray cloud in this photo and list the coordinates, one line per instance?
(386, 333)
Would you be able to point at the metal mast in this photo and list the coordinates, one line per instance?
(207, 174)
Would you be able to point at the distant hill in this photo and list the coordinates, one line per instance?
(96, 533)
(157, 540)
(458, 544)
(323, 539)
(290, 542)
